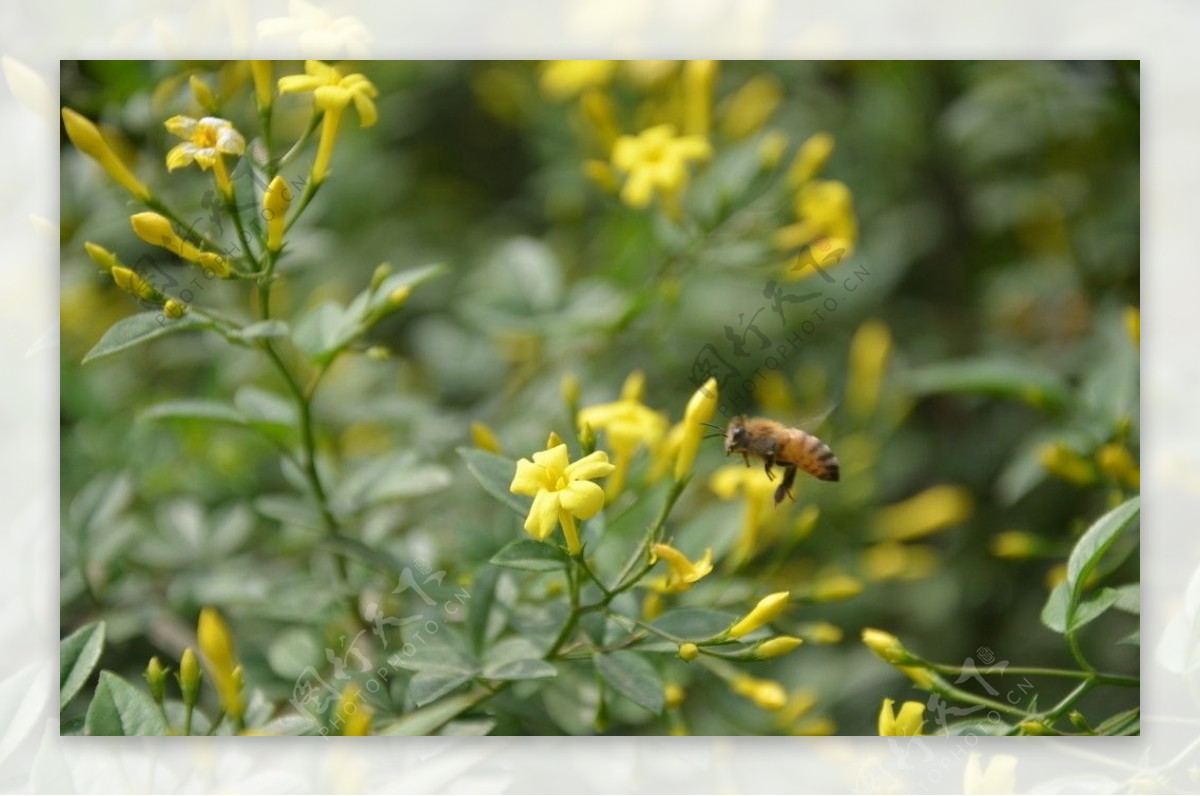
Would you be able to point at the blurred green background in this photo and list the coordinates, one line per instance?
(997, 207)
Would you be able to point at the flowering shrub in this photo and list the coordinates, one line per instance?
(481, 486)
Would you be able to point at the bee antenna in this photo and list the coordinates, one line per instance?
(710, 436)
(710, 425)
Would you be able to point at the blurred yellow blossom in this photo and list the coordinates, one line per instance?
(673, 695)
(885, 645)
(352, 717)
(810, 159)
(736, 479)
(751, 106)
(821, 632)
(563, 80)
(700, 409)
(935, 509)
(1116, 460)
(646, 73)
(835, 587)
(655, 162)
(895, 561)
(870, 350)
(87, 139)
(775, 647)
(681, 573)
(909, 720)
(206, 140)
(600, 116)
(562, 491)
(628, 424)
(1133, 324)
(771, 149)
(484, 438)
(332, 92)
(1060, 460)
(216, 645)
(767, 694)
(203, 93)
(1015, 545)
(698, 80)
(260, 71)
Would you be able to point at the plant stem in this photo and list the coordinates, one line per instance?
(1037, 671)
(187, 719)
(628, 577)
(300, 142)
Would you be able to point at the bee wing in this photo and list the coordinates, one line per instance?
(814, 422)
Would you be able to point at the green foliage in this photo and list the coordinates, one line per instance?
(340, 457)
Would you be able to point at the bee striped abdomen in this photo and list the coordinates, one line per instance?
(815, 457)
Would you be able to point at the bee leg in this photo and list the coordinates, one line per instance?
(746, 459)
(785, 486)
(768, 465)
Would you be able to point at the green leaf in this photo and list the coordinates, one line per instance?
(1091, 607)
(195, 409)
(1134, 639)
(141, 328)
(408, 278)
(78, 654)
(516, 658)
(1054, 613)
(495, 474)
(318, 332)
(632, 676)
(429, 686)
(383, 479)
(1092, 546)
(530, 555)
(1129, 598)
(119, 708)
(1003, 378)
(468, 728)
(694, 624)
(429, 719)
(483, 595)
(435, 656)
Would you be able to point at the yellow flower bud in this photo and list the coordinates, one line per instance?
(101, 256)
(688, 651)
(133, 284)
(652, 606)
(1116, 460)
(174, 309)
(771, 149)
(1032, 727)
(189, 677)
(1015, 545)
(1060, 460)
(352, 716)
(156, 679)
(768, 610)
(773, 648)
(810, 158)
(673, 695)
(399, 296)
(886, 646)
(935, 509)
(382, 272)
(378, 353)
(260, 71)
(570, 392)
(215, 263)
(921, 677)
(751, 106)
(87, 139)
(700, 409)
(276, 200)
(484, 438)
(553, 441)
(157, 231)
(216, 644)
(699, 78)
(908, 721)
(203, 94)
(821, 633)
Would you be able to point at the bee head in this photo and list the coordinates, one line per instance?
(736, 435)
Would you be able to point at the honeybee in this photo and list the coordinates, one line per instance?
(776, 443)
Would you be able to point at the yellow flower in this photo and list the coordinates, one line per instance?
(1058, 459)
(767, 694)
(700, 409)
(768, 610)
(206, 140)
(734, 479)
(751, 106)
(157, 231)
(275, 202)
(935, 509)
(673, 695)
(563, 80)
(821, 632)
(698, 80)
(216, 645)
(600, 115)
(774, 647)
(261, 72)
(562, 491)
(174, 308)
(352, 716)
(332, 92)
(688, 651)
(869, 353)
(835, 587)
(825, 209)
(628, 424)
(156, 679)
(908, 721)
(87, 139)
(655, 162)
(681, 573)
(1000, 776)
(810, 158)
(892, 560)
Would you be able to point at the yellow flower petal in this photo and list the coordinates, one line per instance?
(554, 460)
(529, 479)
(584, 499)
(543, 515)
(594, 465)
